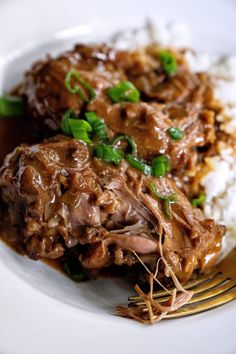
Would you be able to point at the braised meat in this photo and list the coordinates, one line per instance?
(45, 89)
(182, 100)
(148, 124)
(59, 197)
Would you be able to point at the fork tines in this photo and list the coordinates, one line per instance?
(210, 290)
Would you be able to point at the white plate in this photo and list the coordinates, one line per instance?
(42, 311)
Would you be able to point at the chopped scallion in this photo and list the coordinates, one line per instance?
(199, 200)
(175, 133)
(98, 125)
(11, 106)
(124, 91)
(129, 140)
(73, 74)
(160, 165)
(107, 153)
(167, 200)
(138, 164)
(78, 128)
(168, 62)
(65, 125)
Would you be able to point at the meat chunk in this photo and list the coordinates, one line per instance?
(59, 197)
(44, 85)
(182, 100)
(102, 67)
(148, 124)
(146, 72)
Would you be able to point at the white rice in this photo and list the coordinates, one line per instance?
(220, 187)
(220, 183)
(174, 34)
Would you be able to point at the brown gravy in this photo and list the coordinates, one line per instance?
(14, 131)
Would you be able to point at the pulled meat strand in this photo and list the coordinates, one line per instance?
(153, 311)
(156, 311)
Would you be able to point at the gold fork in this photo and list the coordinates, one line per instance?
(210, 290)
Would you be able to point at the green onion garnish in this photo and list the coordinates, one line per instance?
(160, 166)
(80, 129)
(129, 140)
(98, 125)
(107, 153)
(175, 133)
(168, 62)
(199, 200)
(75, 127)
(11, 106)
(124, 91)
(65, 125)
(139, 164)
(167, 199)
(71, 274)
(76, 88)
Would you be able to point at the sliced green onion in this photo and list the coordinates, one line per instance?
(107, 153)
(139, 164)
(167, 199)
(124, 91)
(74, 276)
(155, 193)
(167, 205)
(160, 165)
(76, 88)
(65, 125)
(168, 62)
(175, 133)
(11, 106)
(199, 200)
(98, 125)
(129, 140)
(78, 128)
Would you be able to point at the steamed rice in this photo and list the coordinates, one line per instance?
(220, 183)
